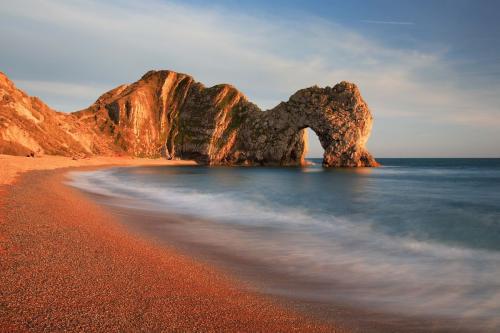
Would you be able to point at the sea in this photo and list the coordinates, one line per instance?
(414, 237)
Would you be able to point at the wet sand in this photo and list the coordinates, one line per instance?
(13, 166)
(68, 264)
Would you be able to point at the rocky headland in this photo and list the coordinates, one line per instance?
(169, 114)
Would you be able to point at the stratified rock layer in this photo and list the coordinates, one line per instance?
(170, 114)
(29, 127)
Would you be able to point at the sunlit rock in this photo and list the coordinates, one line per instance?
(171, 115)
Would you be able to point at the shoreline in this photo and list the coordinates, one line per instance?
(69, 264)
(65, 219)
(11, 167)
(182, 232)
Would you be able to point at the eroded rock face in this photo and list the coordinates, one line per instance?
(170, 114)
(167, 114)
(338, 115)
(29, 127)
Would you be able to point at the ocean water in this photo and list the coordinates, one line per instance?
(414, 237)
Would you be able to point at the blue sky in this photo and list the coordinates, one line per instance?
(429, 70)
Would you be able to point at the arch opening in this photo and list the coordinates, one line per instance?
(314, 148)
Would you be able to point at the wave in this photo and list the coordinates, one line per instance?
(345, 259)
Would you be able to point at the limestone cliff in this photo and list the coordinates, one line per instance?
(28, 126)
(338, 115)
(170, 114)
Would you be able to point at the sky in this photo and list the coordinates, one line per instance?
(429, 69)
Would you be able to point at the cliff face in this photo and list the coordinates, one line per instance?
(28, 126)
(170, 114)
(166, 114)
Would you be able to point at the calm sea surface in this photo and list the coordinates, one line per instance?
(416, 236)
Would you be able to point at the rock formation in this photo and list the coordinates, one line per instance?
(170, 114)
(338, 115)
(30, 127)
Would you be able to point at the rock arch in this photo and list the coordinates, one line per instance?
(170, 114)
(338, 115)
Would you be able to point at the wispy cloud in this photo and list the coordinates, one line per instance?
(63, 96)
(67, 89)
(388, 22)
